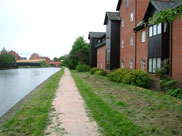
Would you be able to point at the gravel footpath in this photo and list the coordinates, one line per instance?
(69, 117)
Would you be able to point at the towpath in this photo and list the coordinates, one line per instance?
(70, 117)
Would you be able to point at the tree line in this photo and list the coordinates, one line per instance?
(79, 54)
(6, 60)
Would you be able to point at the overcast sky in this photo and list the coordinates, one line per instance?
(49, 27)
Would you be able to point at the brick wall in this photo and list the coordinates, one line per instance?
(128, 52)
(101, 53)
(142, 49)
(177, 50)
(141, 9)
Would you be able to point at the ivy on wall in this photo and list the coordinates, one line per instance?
(167, 15)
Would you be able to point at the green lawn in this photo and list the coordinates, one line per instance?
(32, 118)
(128, 110)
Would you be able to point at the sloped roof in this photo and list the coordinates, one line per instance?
(112, 16)
(161, 5)
(96, 34)
(119, 5)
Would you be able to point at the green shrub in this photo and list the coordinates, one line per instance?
(83, 68)
(127, 76)
(169, 85)
(176, 92)
(101, 72)
(98, 71)
(93, 70)
(118, 75)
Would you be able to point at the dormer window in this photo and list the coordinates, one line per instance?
(155, 30)
(159, 29)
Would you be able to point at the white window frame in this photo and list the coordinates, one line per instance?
(143, 36)
(122, 44)
(154, 30)
(159, 28)
(131, 41)
(131, 64)
(143, 64)
(122, 64)
(122, 23)
(131, 17)
(150, 31)
(127, 3)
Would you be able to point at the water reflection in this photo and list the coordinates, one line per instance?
(16, 83)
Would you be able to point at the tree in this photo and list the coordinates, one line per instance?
(6, 60)
(79, 54)
(56, 59)
(43, 64)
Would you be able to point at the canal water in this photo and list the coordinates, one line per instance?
(16, 83)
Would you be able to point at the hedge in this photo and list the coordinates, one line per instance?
(130, 76)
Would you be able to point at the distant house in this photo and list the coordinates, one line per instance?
(35, 56)
(101, 52)
(104, 47)
(112, 22)
(94, 37)
(3, 51)
(16, 55)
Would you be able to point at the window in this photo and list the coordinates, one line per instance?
(122, 44)
(154, 30)
(101, 66)
(131, 64)
(158, 63)
(122, 23)
(131, 17)
(150, 31)
(150, 65)
(108, 57)
(131, 40)
(143, 36)
(159, 29)
(143, 64)
(127, 3)
(165, 27)
(154, 63)
(122, 64)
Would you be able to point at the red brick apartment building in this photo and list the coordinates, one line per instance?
(144, 47)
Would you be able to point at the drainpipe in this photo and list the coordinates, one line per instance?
(171, 48)
(135, 33)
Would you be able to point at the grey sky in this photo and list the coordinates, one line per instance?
(49, 27)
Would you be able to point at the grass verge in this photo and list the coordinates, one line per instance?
(155, 114)
(32, 117)
(110, 121)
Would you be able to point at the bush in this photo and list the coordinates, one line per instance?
(93, 70)
(98, 71)
(127, 76)
(176, 92)
(169, 85)
(83, 68)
